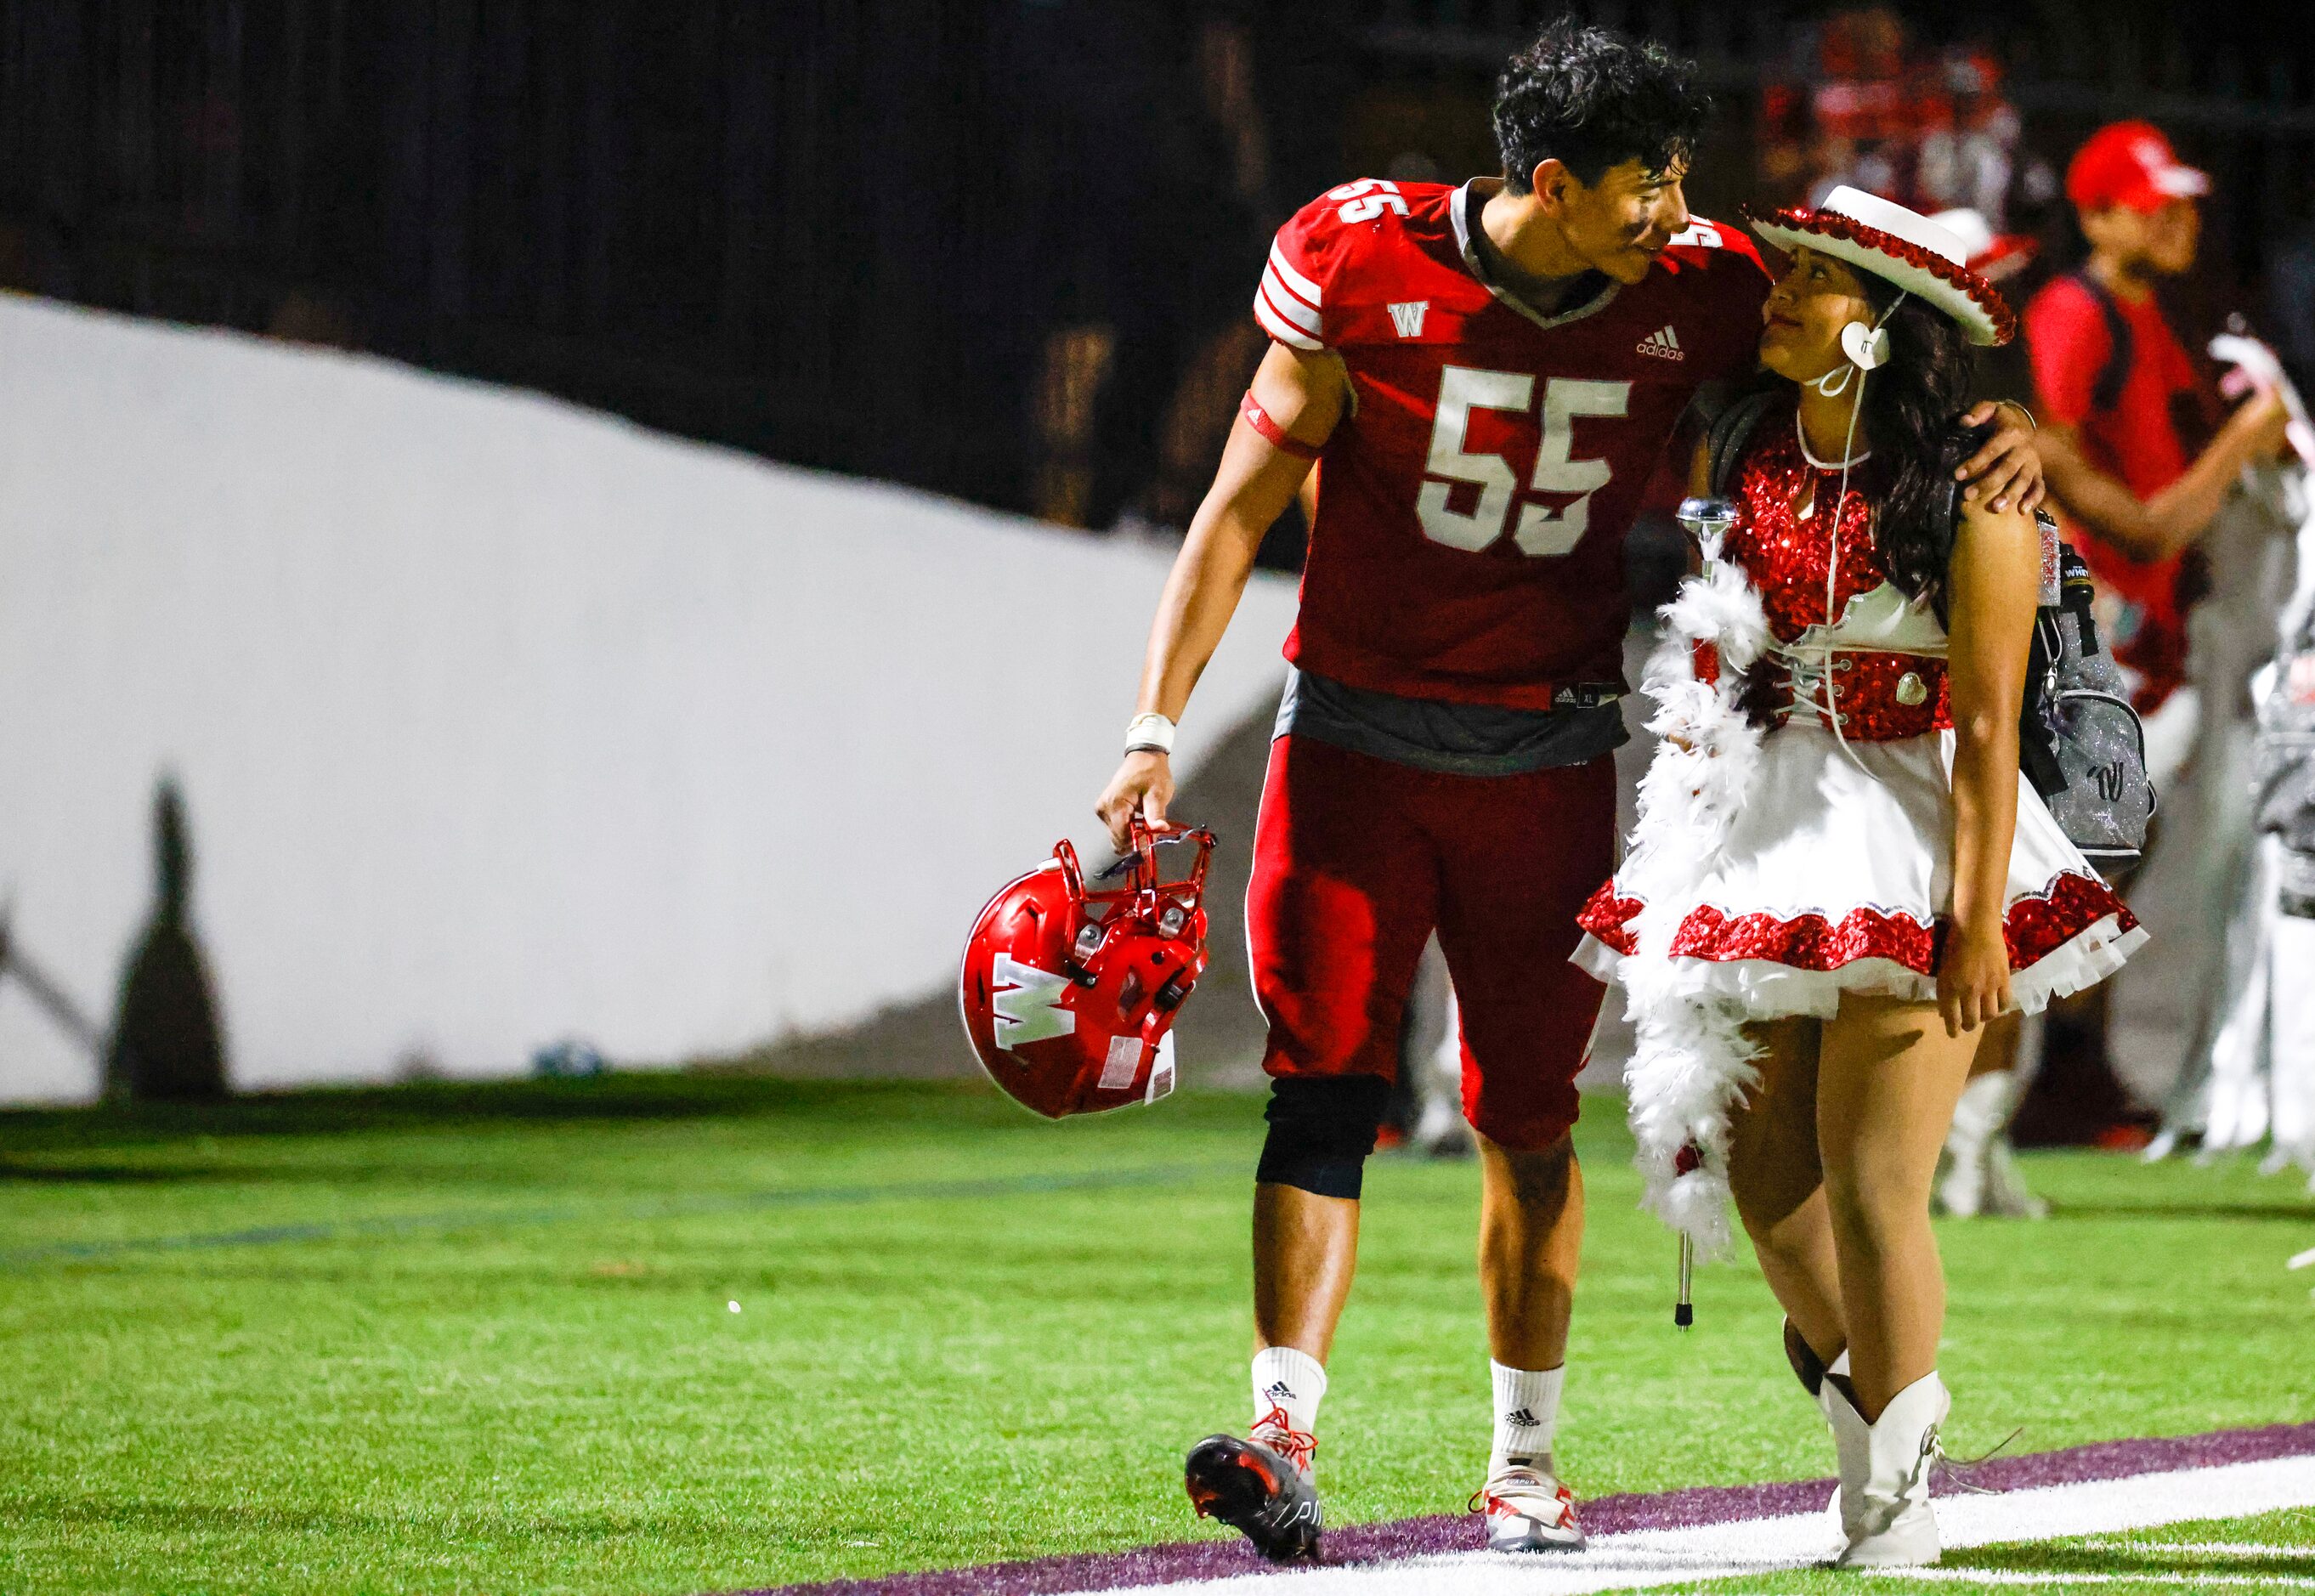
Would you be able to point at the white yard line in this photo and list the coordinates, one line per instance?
(1645, 1557)
(2020, 1576)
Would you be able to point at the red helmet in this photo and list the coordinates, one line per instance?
(1069, 995)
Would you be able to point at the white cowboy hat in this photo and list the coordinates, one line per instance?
(1901, 246)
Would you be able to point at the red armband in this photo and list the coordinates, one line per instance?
(1259, 420)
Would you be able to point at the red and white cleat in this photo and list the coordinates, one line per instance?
(1528, 1509)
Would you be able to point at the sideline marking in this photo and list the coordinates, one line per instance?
(56, 1252)
(1692, 1554)
(2019, 1576)
(1781, 1519)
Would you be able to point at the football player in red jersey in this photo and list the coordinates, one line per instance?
(1490, 373)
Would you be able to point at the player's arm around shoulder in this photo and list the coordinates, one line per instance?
(1296, 400)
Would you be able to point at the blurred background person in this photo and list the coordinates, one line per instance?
(1856, 111)
(2119, 398)
(1928, 125)
(2250, 1074)
(2122, 406)
(1966, 154)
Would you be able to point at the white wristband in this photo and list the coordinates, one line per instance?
(1151, 731)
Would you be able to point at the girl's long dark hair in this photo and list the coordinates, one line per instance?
(1912, 403)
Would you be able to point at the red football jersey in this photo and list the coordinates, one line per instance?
(1469, 539)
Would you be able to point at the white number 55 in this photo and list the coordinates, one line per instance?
(1542, 532)
(1368, 198)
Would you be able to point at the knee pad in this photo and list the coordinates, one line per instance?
(1321, 1129)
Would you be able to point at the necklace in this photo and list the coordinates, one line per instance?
(1856, 459)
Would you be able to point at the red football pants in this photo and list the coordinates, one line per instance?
(1357, 860)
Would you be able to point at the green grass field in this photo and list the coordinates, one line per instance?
(482, 1339)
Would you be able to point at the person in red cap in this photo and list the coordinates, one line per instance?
(2107, 369)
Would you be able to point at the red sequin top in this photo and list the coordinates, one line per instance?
(1881, 696)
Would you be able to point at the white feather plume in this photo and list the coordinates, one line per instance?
(1692, 1059)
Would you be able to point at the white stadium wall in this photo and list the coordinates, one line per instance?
(499, 722)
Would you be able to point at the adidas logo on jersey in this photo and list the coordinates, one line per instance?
(1663, 343)
(1408, 317)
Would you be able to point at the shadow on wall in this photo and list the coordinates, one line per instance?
(1220, 1034)
(166, 1043)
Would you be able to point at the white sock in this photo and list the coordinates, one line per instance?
(1527, 1415)
(1284, 1378)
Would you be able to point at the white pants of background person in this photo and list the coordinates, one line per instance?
(2291, 1011)
(1433, 1058)
(2198, 878)
(2261, 1080)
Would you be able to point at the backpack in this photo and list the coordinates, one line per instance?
(2122, 344)
(2079, 739)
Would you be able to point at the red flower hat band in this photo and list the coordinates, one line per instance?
(1933, 274)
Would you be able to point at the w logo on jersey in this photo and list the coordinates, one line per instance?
(1663, 343)
(1028, 1004)
(1408, 317)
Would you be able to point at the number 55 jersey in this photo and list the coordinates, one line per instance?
(1472, 503)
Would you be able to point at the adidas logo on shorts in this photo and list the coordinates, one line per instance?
(1663, 343)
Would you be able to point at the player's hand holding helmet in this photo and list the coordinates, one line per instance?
(1137, 796)
(1069, 994)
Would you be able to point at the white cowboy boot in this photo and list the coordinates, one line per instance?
(2006, 1192)
(1890, 1524)
(1851, 1442)
(1960, 1189)
(1978, 1170)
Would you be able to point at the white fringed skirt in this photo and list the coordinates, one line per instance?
(1839, 879)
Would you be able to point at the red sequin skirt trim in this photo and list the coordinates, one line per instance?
(1606, 916)
(2035, 928)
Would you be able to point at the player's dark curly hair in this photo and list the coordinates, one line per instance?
(1912, 407)
(1593, 98)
